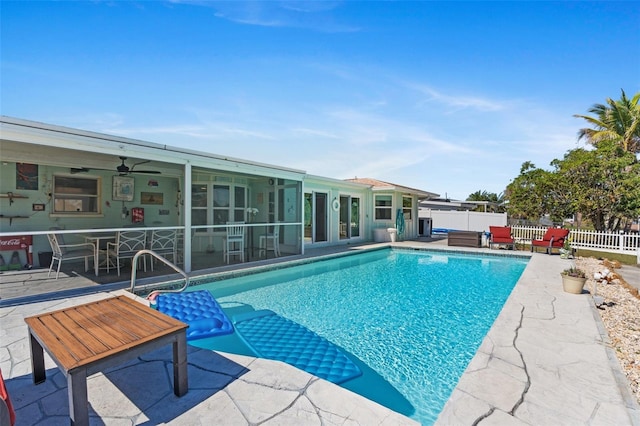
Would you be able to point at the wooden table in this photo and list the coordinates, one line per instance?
(86, 339)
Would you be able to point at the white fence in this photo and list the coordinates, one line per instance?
(593, 240)
(463, 220)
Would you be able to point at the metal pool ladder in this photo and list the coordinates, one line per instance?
(134, 268)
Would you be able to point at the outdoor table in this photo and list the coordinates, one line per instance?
(85, 339)
(95, 240)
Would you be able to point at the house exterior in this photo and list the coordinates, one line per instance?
(78, 182)
(388, 201)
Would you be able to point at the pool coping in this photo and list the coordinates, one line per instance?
(533, 357)
(483, 393)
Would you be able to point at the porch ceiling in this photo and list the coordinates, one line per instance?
(21, 152)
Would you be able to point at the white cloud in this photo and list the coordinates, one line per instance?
(457, 102)
(311, 15)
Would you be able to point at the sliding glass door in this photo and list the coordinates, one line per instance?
(349, 217)
(315, 217)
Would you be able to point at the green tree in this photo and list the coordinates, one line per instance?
(602, 184)
(617, 122)
(496, 201)
(528, 194)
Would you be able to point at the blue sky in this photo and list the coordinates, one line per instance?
(448, 97)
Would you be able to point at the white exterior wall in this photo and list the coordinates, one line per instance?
(464, 221)
(411, 225)
(334, 189)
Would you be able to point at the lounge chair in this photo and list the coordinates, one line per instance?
(553, 238)
(501, 235)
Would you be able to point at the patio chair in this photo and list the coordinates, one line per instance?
(270, 242)
(62, 251)
(233, 242)
(126, 245)
(164, 243)
(501, 235)
(553, 238)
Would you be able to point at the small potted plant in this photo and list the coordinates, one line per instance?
(566, 252)
(573, 280)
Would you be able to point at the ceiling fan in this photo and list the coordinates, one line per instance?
(122, 169)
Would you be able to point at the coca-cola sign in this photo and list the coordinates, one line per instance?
(10, 243)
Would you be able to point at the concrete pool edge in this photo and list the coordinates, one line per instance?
(536, 301)
(545, 358)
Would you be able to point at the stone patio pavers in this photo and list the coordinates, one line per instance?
(545, 361)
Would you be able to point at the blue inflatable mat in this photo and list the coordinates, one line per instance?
(274, 337)
(198, 309)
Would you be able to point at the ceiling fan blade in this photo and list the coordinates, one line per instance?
(147, 172)
(150, 172)
(122, 169)
(74, 170)
(141, 162)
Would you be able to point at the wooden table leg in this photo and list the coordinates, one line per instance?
(180, 379)
(37, 360)
(77, 393)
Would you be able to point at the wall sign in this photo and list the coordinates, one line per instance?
(26, 176)
(123, 188)
(152, 198)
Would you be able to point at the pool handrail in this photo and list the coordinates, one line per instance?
(134, 264)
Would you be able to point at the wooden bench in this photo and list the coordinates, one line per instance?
(85, 339)
(464, 238)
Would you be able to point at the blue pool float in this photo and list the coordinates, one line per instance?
(273, 337)
(199, 310)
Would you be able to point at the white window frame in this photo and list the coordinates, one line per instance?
(378, 208)
(74, 194)
(407, 210)
(234, 209)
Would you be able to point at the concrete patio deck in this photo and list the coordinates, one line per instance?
(544, 361)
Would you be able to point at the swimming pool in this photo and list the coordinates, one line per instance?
(415, 318)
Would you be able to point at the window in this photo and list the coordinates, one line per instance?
(407, 207)
(217, 204)
(220, 204)
(199, 196)
(383, 205)
(76, 195)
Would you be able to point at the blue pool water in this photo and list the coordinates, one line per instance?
(416, 318)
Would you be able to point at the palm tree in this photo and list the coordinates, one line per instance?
(617, 122)
(496, 200)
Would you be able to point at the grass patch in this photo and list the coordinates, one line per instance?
(625, 259)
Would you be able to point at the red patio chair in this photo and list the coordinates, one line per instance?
(501, 235)
(553, 238)
(7, 413)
